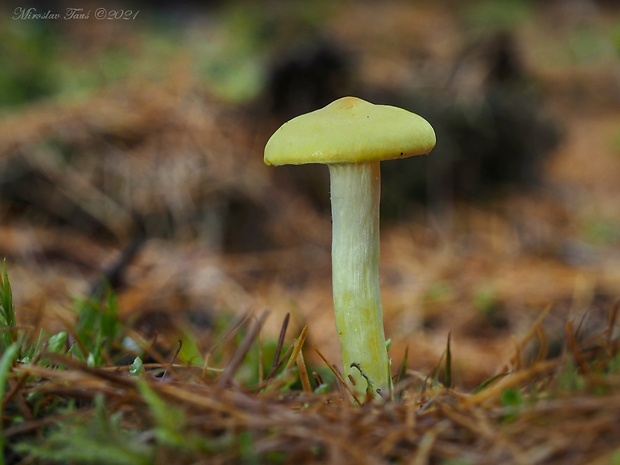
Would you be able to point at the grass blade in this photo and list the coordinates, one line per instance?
(6, 362)
(448, 365)
(242, 350)
(8, 322)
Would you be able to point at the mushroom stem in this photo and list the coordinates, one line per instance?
(355, 194)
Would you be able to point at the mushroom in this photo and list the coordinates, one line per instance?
(352, 136)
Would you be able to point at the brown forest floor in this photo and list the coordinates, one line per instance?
(228, 235)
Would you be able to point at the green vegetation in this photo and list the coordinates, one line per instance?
(28, 70)
(497, 15)
(8, 323)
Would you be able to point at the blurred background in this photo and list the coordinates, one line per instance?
(131, 145)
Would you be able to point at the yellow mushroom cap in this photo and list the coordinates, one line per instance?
(350, 130)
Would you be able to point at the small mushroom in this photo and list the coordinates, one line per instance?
(352, 136)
